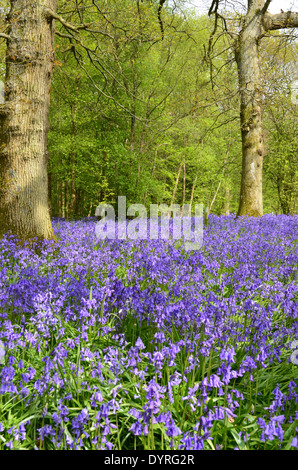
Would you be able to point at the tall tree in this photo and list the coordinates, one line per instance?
(24, 208)
(255, 24)
(24, 116)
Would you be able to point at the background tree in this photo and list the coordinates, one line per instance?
(253, 26)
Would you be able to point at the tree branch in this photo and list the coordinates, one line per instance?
(5, 36)
(288, 19)
(50, 14)
(161, 2)
(214, 7)
(266, 6)
(62, 35)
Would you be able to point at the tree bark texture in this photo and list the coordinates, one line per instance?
(247, 57)
(24, 208)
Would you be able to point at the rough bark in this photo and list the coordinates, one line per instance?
(247, 57)
(24, 208)
(284, 20)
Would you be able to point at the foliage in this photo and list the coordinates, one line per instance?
(142, 345)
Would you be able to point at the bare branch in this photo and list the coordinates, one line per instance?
(161, 2)
(62, 35)
(5, 36)
(214, 7)
(50, 14)
(266, 6)
(288, 19)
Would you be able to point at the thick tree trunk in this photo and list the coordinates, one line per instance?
(24, 208)
(247, 57)
(257, 22)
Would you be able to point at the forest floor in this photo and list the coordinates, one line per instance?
(141, 344)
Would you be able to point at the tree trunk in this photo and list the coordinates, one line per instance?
(184, 187)
(257, 21)
(251, 200)
(192, 194)
(24, 208)
(175, 187)
(214, 197)
(63, 200)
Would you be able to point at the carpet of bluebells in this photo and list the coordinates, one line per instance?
(130, 345)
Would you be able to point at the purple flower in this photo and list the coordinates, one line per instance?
(295, 442)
